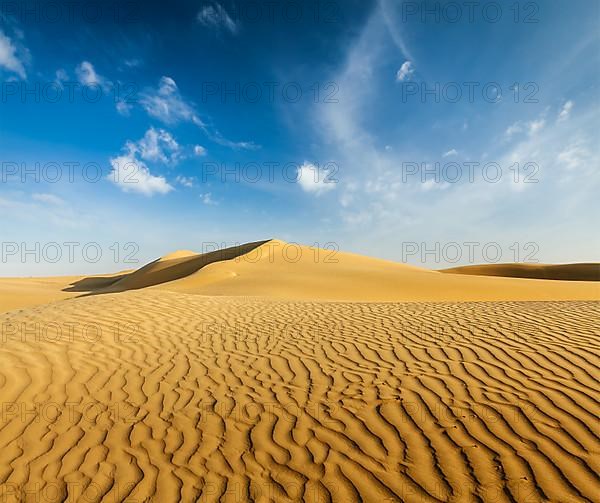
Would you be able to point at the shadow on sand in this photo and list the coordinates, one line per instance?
(158, 272)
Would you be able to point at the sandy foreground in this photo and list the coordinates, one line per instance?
(257, 375)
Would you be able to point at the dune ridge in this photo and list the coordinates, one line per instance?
(564, 272)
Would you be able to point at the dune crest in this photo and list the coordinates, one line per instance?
(564, 272)
(178, 255)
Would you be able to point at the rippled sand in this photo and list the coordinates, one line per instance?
(164, 395)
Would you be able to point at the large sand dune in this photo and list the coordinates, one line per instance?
(250, 376)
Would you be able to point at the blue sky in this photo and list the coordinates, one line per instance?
(359, 115)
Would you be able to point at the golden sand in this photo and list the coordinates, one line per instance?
(253, 376)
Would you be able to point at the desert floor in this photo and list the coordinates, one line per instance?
(253, 378)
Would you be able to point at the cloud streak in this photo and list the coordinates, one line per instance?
(166, 104)
(12, 58)
(216, 17)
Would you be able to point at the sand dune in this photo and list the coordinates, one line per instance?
(278, 270)
(567, 272)
(177, 265)
(199, 378)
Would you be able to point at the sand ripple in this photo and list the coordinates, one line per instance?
(175, 397)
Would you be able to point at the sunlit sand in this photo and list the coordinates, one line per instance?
(252, 375)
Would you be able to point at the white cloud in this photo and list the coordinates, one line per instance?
(87, 76)
(406, 71)
(450, 153)
(185, 181)
(123, 108)
(10, 59)
(515, 128)
(131, 174)
(215, 16)
(532, 127)
(431, 184)
(314, 179)
(48, 199)
(536, 126)
(235, 145)
(133, 63)
(167, 105)
(573, 157)
(158, 145)
(208, 200)
(61, 76)
(566, 110)
(385, 205)
(199, 151)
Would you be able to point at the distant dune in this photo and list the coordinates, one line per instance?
(278, 270)
(276, 373)
(564, 272)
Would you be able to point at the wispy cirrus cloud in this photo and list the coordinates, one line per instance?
(167, 104)
(48, 199)
(372, 193)
(530, 127)
(13, 55)
(405, 72)
(215, 16)
(565, 111)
